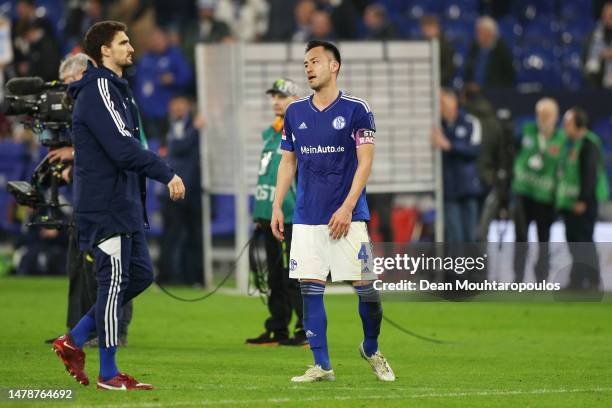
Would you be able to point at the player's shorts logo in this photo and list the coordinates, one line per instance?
(339, 122)
(292, 265)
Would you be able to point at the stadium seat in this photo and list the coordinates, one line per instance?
(538, 69)
(407, 27)
(576, 31)
(527, 10)
(460, 31)
(576, 9)
(603, 128)
(460, 9)
(510, 30)
(416, 9)
(543, 31)
(224, 214)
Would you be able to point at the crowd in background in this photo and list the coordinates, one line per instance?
(519, 44)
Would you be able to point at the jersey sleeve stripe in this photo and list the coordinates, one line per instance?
(362, 102)
(102, 88)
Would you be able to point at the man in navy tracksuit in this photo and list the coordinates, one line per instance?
(110, 170)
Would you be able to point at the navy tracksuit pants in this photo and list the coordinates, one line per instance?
(123, 271)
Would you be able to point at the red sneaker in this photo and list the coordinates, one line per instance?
(122, 382)
(72, 357)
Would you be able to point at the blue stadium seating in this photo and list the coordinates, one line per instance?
(576, 31)
(510, 30)
(224, 214)
(526, 10)
(538, 69)
(603, 128)
(543, 31)
(460, 9)
(14, 161)
(460, 31)
(576, 9)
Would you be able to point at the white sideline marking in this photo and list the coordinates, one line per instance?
(483, 393)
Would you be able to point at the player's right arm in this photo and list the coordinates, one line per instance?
(284, 179)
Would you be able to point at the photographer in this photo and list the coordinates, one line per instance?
(110, 171)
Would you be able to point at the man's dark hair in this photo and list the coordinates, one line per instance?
(581, 119)
(100, 34)
(328, 47)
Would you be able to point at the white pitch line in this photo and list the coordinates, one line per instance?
(483, 393)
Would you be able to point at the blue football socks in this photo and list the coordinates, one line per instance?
(315, 322)
(370, 311)
(80, 333)
(108, 367)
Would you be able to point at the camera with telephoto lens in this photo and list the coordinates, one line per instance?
(47, 110)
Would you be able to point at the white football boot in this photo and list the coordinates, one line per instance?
(315, 373)
(379, 365)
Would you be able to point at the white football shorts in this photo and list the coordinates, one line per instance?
(314, 254)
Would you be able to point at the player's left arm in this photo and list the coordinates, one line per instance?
(340, 222)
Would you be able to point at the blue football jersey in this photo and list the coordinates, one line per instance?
(325, 143)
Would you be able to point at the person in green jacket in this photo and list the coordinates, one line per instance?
(534, 183)
(285, 296)
(581, 187)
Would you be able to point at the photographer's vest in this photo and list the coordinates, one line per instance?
(569, 180)
(266, 183)
(535, 168)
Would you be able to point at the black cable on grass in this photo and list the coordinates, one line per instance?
(261, 285)
(413, 334)
(219, 285)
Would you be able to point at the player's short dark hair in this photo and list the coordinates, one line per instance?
(328, 47)
(100, 34)
(581, 119)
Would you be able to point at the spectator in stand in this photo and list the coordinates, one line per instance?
(489, 61)
(321, 27)
(378, 26)
(162, 72)
(36, 54)
(209, 28)
(180, 259)
(459, 139)
(304, 11)
(80, 17)
(430, 29)
(248, 19)
(598, 66)
(280, 26)
(26, 16)
(344, 17)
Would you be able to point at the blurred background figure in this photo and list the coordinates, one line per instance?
(321, 27)
(344, 17)
(459, 140)
(304, 11)
(430, 29)
(161, 73)
(598, 66)
(248, 19)
(582, 186)
(489, 62)
(36, 52)
(377, 24)
(534, 184)
(181, 258)
(81, 16)
(281, 23)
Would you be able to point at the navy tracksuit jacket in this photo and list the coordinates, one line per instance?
(110, 170)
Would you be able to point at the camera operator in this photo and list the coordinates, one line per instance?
(81, 275)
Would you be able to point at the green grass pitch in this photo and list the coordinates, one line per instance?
(501, 355)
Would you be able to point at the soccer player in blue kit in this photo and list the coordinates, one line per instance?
(328, 138)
